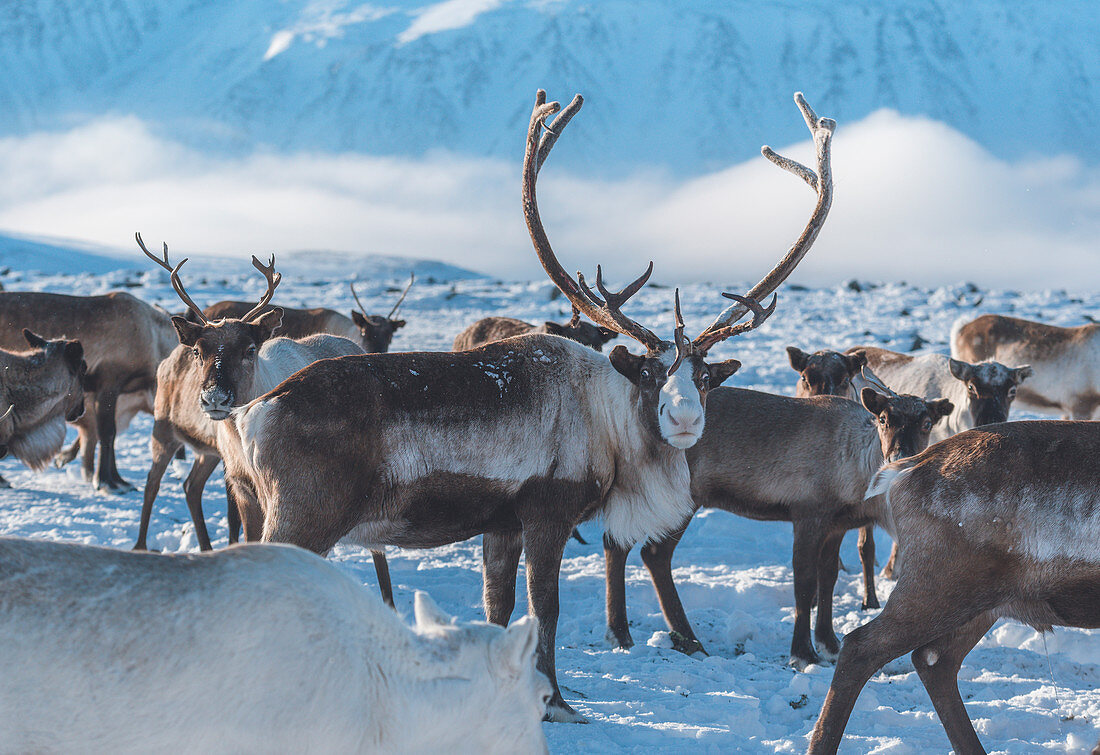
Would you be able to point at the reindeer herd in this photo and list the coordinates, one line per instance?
(519, 434)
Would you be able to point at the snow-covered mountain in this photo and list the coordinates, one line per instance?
(688, 86)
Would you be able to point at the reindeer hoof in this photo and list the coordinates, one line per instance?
(830, 648)
(118, 487)
(871, 604)
(686, 645)
(560, 712)
(620, 638)
(802, 658)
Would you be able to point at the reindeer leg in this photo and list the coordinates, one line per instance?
(826, 584)
(201, 469)
(107, 477)
(382, 571)
(657, 556)
(543, 545)
(915, 614)
(614, 561)
(938, 664)
(890, 570)
(867, 561)
(232, 513)
(163, 445)
(499, 564)
(808, 537)
(69, 452)
(248, 508)
(86, 441)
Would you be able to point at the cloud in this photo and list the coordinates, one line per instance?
(915, 200)
(451, 14)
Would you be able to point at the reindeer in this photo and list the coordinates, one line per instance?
(424, 449)
(306, 660)
(217, 366)
(1001, 521)
(489, 329)
(374, 332)
(982, 394)
(830, 373)
(124, 339)
(42, 390)
(1064, 361)
(809, 462)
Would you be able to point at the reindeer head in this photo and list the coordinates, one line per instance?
(226, 350)
(990, 388)
(494, 669)
(592, 336)
(904, 422)
(375, 331)
(673, 377)
(825, 373)
(66, 369)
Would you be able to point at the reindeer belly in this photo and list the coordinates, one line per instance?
(445, 507)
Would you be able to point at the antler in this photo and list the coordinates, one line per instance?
(412, 279)
(273, 279)
(177, 285)
(873, 382)
(4, 416)
(822, 183)
(361, 307)
(605, 311)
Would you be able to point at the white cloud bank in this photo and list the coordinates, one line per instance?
(914, 200)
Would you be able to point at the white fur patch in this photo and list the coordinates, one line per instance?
(680, 411)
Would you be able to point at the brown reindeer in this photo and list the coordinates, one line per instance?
(41, 390)
(518, 440)
(489, 329)
(808, 461)
(830, 373)
(374, 332)
(1002, 521)
(1065, 361)
(220, 365)
(124, 339)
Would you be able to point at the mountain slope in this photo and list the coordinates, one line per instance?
(688, 86)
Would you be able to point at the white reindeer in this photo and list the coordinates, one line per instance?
(256, 648)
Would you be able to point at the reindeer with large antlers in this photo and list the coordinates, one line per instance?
(518, 440)
(218, 365)
(374, 332)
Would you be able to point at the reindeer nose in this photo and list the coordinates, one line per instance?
(688, 419)
(216, 400)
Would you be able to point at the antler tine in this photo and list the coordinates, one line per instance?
(602, 313)
(177, 284)
(683, 346)
(822, 183)
(575, 320)
(361, 307)
(6, 414)
(273, 279)
(759, 315)
(412, 279)
(546, 143)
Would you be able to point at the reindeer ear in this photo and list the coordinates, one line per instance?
(35, 340)
(798, 358)
(266, 324)
(188, 332)
(960, 370)
(397, 324)
(1020, 374)
(628, 365)
(554, 328)
(515, 648)
(607, 334)
(856, 361)
(939, 409)
(720, 371)
(873, 401)
(358, 319)
(428, 614)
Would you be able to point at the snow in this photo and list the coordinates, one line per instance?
(1025, 692)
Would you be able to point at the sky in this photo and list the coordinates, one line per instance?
(914, 200)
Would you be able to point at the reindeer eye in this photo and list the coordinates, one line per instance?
(882, 419)
(971, 389)
(1012, 392)
(704, 380)
(646, 373)
(926, 426)
(195, 351)
(250, 351)
(805, 380)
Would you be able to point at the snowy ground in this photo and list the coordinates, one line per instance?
(1025, 694)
